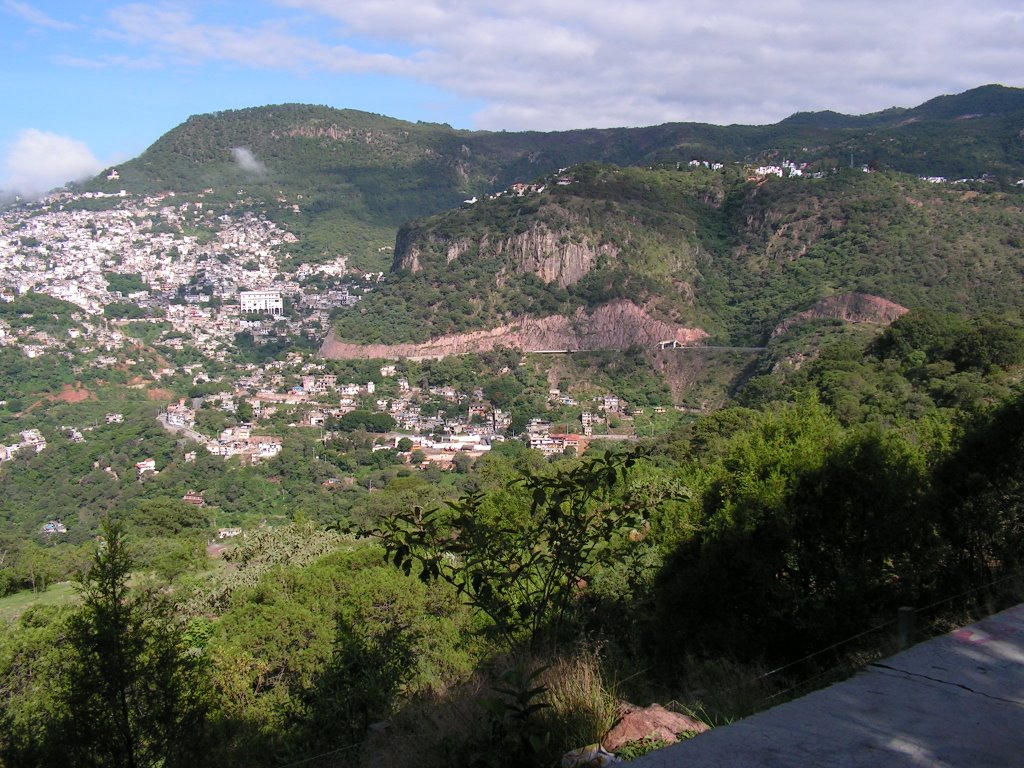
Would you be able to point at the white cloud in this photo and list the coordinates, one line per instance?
(175, 34)
(247, 161)
(34, 16)
(38, 161)
(591, 63)
(107, 61)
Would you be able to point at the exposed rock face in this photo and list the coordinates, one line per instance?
(562, 256)
(555, 257)
(617, 325)
(848, 307)
(653, 722)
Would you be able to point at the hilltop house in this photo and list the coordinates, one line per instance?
(180, 415)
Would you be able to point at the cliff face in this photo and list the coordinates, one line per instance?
(561, 256)
(848, 307)
(617, 325)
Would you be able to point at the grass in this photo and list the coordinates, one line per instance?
(12, 606)
(475, 722)
(582, 703)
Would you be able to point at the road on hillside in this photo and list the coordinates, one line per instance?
(186, 431)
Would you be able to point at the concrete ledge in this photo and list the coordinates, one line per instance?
(956, 701)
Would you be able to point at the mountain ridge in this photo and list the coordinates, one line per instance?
(729, 251)
(347, 180)
(698, 248)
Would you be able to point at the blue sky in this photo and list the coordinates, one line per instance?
(88, 84)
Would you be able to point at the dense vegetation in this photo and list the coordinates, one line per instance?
(357, 177)
(884, 471)
(704, 248)
(39, 311)
(376, 611)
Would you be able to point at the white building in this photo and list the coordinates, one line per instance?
(267, 302)
(180, 415)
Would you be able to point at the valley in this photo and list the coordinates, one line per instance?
(417, 446)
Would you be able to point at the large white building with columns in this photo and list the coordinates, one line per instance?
(266, 302)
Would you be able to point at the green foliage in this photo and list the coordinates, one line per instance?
(369, 421)
(500, 391)
(124, 310)
(979, 489)
(802, 529)
(517, 736)
(125, 283)
(30, 659)
(979, 343)
(629, 374)
(22, 377)
(312, 655)
(164, 516)
(128, 693)
(148, 332)
(79, 487)
(522, 570)
(808, 534)
(38, 311)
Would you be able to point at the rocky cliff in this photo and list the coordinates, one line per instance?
(616, 325)
(848, 307)
(559, 255)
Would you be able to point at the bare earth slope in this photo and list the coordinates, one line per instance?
(848, 307)
(616, 325)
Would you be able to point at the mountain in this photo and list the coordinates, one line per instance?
(344, 181)
(679, 252)
(709, 251)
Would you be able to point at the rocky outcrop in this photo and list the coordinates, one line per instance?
(848, 307)
(616, 325)
(654, 722)
(560, 256)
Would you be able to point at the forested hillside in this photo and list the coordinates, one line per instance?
(220, 548)
(356, 177)
(702, 248)
(884, 472)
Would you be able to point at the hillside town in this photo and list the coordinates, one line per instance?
(164, 273)
(191, 269)
(440, 421)
(167, 290)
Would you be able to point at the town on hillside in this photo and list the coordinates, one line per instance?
(208, 317)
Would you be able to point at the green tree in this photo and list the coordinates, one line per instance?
(244, 411)
(522, 568)
(131, 694)
(462, 462)
(807, 533)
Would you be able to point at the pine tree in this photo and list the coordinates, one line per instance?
(133, 696)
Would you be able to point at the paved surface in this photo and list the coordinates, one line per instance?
(957, 700)
(190, 433)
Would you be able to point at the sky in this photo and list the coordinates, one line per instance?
(86, 85)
